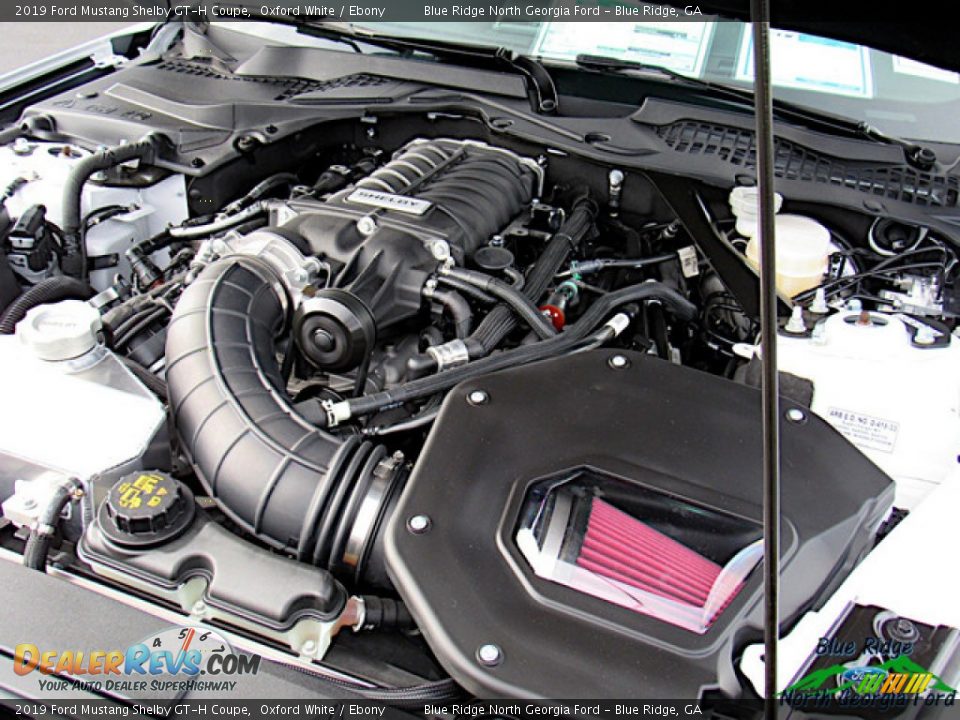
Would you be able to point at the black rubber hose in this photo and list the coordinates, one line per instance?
(457, 308)
(500, 321)
(338, 177)
(658, 330)
(46, 291)
(509, 294)
(261, 189)
(138, 255)
(469, 290)
(37, 549)
(132, 327)
(382, 613)
(672, 300)
(271, 471)
(74, 262)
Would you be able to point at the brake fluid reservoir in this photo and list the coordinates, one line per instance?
(803, 250)
(897, 401)
(744, 203)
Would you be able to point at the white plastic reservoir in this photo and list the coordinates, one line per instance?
(898, 403)
(744, 204)
(69, 405)
(803, 251)
(803, 244)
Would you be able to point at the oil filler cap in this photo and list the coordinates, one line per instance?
(146, 508)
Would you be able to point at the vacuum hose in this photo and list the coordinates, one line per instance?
(566, 341)
(46, 291)
(519, 302)
(74, 261)
(500, 321)
(299, 489)
(37, 549)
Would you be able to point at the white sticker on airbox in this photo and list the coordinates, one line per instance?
(389, 201)
(866, 431)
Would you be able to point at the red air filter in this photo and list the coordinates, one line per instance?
(629, 552)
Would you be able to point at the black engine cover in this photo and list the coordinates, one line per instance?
(663, 430)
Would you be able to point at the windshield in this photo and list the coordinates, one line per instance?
(897, 95)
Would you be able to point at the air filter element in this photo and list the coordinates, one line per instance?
(575, 538)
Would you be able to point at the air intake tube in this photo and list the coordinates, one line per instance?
(313, 495)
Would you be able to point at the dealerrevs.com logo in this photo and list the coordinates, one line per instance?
(178, 659)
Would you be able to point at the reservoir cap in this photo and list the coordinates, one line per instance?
(146, 508)
(60, 331)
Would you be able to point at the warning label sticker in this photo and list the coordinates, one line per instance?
(864, 430)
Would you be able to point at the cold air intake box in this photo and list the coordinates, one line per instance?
(595, 522)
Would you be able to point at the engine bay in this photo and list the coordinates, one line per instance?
(378, 368)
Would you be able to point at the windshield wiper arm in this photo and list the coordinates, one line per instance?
(917, 155)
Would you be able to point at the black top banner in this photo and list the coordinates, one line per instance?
(353, 11)
(361, 11)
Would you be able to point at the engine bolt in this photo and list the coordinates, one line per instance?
(308, 648)
(366, 225)
(246, 143)
(796, 415)
(478, 397)
(418, 524)
(440, 249)
(199, 607)
(489, 655)
(619, 362)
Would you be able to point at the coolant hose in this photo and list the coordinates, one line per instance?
(500, 321)
(74, 254)
(507, 293)
(471, 291)
(46, 291)
(566, 341)
(37, 549)
(276, 475)
(457, 308)
(219, 224)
